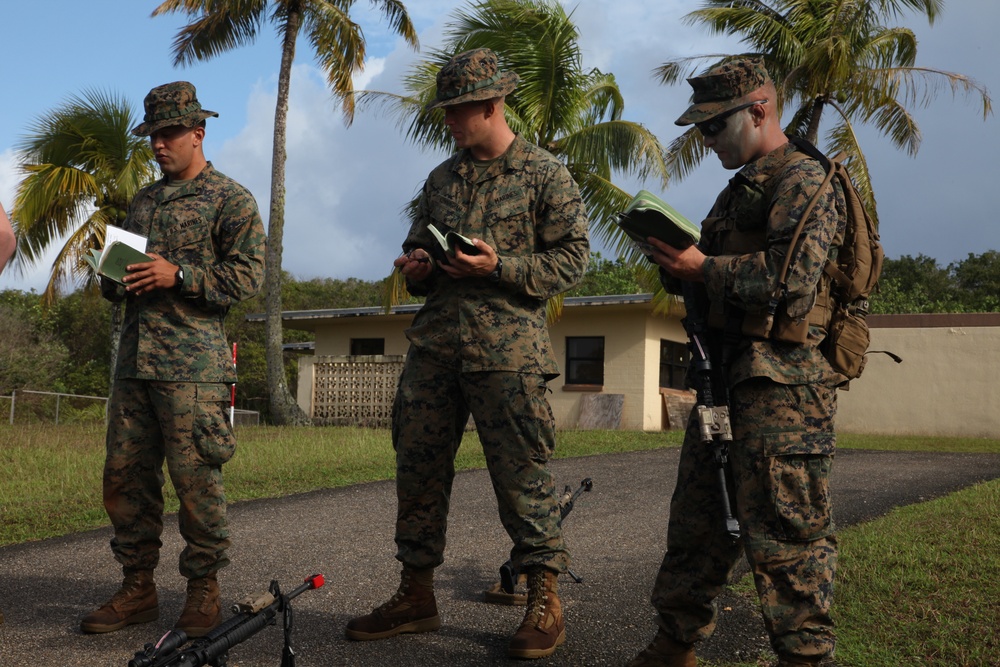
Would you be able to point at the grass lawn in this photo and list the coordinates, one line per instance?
(918, 587)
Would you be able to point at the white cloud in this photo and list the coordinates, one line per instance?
(345, 187)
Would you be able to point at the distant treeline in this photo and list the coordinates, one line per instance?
(66, 346)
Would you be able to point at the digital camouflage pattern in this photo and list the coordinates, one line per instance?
(782, 452)
(746, 236)
(782, 407)
(483, 347)
(723, 88)
(516, 429)
(470, 77)
(171, 104)
(528, 208)
(171, 389)
(186, 424)
(212, 229)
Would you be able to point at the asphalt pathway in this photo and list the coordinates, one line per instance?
(616, 533)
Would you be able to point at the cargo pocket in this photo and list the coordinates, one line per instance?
(799, 479)
(213, 435)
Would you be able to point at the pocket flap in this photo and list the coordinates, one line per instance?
(797, 442)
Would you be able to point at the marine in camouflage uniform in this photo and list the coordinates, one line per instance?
(174, 369)
(782, 395)
(480, 343)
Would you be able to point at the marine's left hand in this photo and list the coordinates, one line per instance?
(148, 276)
(472, 266)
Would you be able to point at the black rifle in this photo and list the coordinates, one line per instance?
(508, 575)
(712, 412)
(251, 616)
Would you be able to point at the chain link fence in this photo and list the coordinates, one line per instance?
(25, 406)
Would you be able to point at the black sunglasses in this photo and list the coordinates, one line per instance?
(713, 126)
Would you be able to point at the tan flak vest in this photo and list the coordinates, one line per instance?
(744, 227)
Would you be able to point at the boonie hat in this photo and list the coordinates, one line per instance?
(722, 88)
(470, 77)
(171, 104)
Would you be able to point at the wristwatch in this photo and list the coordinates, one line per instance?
(494, 275)
(179, 278)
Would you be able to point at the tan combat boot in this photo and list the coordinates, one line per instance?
(542, 629)
(135, 602)
(665, 651)
(411, 609)
(202, 609)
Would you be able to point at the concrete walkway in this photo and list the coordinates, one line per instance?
(616, 532)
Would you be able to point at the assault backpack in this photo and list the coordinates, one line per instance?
(853, 273)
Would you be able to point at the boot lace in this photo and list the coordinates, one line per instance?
(397, 597)
(537, 597)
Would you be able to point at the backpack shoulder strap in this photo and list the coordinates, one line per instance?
(783, 275)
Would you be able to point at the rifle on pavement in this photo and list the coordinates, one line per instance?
(250, 617)
(713, 413)
(504, 592)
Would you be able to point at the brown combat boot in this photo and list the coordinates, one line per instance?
(411, 609)
(542, 629)
(665, 651)
(202, 609)
(135, 602)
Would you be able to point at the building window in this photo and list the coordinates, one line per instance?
(585, 360)
(367, 346)
(674, 359)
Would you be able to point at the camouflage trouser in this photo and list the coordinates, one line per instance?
(516, 428)
(781, 455)
(185, 423)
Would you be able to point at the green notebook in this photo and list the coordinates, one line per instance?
(648, 215)
(112, 261)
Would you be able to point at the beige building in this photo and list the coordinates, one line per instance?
(947, 385)
(623, 367)
(615, 354)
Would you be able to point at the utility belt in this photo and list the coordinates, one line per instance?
(780, 326)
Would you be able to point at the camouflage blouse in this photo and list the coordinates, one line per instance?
(528, 208)
(212, 229)
(747, 234)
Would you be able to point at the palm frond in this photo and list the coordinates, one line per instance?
(216, 27)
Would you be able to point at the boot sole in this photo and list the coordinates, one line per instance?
(423, 625)
(533, 653)
(134, 619)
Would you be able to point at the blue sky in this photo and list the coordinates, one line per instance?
(347, 186)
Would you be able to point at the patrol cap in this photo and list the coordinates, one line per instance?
(171, 104)
(722, 88)
(470, 77)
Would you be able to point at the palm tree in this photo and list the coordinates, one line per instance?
(82, 168)
(835, 54)
(575, 114)
(218, 26)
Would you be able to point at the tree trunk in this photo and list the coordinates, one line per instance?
(284, 410)
(117, 321)
(812, 133)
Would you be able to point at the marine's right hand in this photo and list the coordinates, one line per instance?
(415, 265)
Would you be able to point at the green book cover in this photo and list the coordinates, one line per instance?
(116, 257)
(446, 243)
(648, 215)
